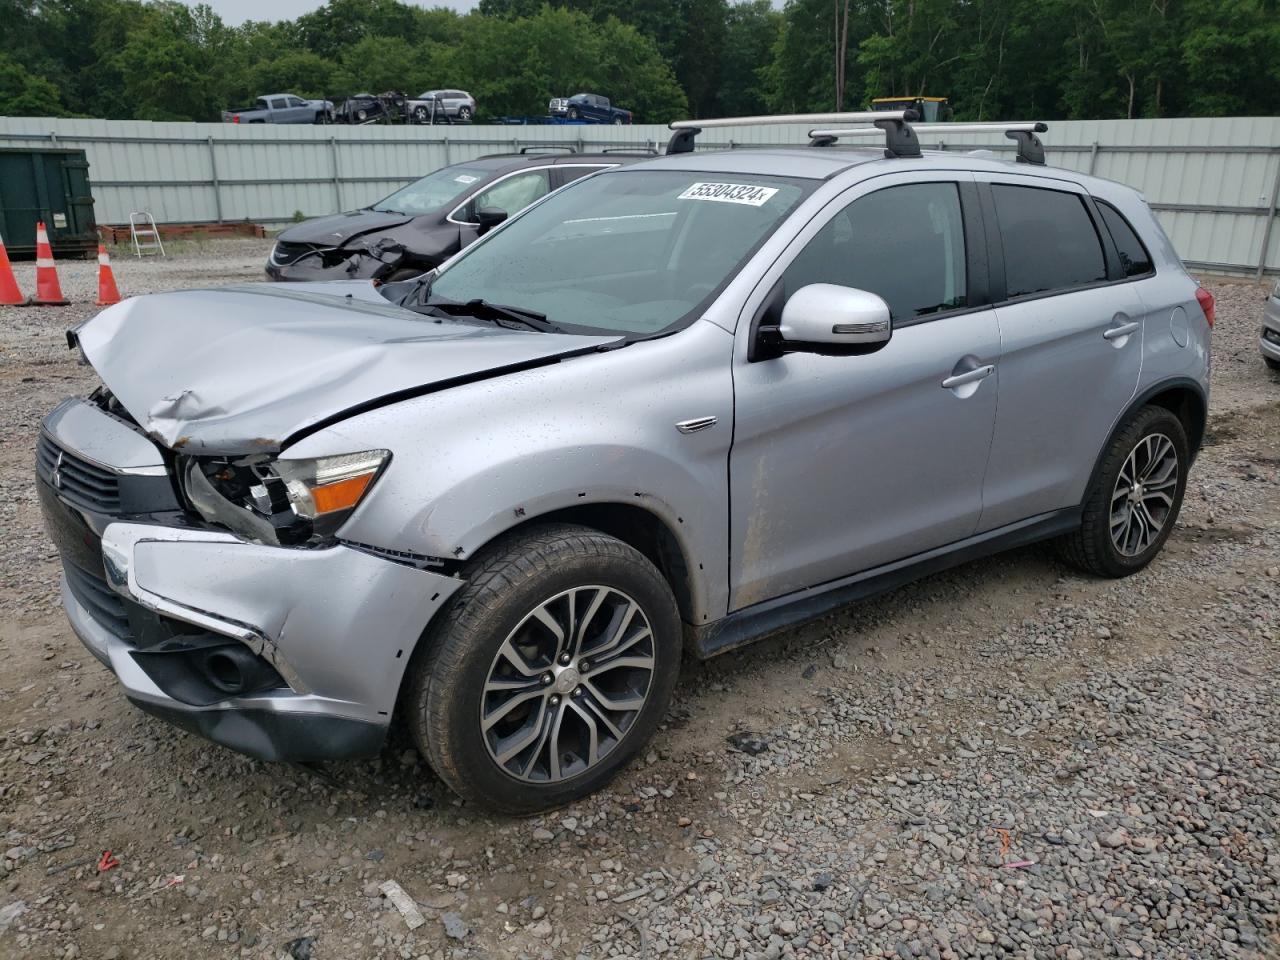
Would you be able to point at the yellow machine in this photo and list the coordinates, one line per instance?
(930, 109)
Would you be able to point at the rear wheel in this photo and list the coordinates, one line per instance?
(464, 114)
(550, 668)
(1133, 504)
(617, 121)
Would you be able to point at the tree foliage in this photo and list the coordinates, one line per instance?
(995, 59)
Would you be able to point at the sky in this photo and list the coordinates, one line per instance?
(236, 12)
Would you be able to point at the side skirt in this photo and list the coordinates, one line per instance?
(759, 620)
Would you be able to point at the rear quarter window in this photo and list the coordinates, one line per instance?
(1135, 261)
(1049, 240)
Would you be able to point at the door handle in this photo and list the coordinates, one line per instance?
(1115, 333)
(969, 376)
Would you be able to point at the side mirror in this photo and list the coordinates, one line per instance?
(490, 217)
(829, 319)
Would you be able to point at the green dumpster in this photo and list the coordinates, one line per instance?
(49, 184)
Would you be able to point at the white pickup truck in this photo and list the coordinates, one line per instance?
(282, 108)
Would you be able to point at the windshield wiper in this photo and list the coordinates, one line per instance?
(500, 313)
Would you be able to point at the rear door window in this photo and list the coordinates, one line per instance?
(1135, 261)
(1049, 240)
(279, 103)
(904, 243)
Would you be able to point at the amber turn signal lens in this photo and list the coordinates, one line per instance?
(340, 495)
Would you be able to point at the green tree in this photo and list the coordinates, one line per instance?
(751, 29)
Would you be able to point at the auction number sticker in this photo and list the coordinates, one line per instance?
(465, 178)
(749, 194)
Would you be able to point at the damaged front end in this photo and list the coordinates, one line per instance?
(381, 259)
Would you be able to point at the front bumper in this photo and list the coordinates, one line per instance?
(338, 624)
(1269, 341)
(310, 267)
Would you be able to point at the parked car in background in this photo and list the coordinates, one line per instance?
(281, 108)
(588, 106)
(435, 106)
(370, 107)
(423, 224)
(1271, 329)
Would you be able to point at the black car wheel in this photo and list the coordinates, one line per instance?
(550, 667)
(617, 121)
(574, 114)
(1133, 503)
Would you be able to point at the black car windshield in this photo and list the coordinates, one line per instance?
(433, 192)
(633, 252)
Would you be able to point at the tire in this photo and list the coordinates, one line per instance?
(617, 121)
(573, 113)
(464, 114)
(1152, 432)
(420, 114)
(362, 115)
(1272, 363)
(493, 633)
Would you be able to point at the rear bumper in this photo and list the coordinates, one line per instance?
(1269, 341)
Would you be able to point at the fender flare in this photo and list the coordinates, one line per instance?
(1137, 403)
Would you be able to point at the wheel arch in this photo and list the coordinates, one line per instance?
(1183, 397)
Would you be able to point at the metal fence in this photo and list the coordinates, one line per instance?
(1214, 182)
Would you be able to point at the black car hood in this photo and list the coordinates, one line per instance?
(247, 368)
(336, 230)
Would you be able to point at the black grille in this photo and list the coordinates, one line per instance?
(78, 481)
(103, 603)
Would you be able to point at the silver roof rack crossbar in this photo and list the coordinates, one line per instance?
(1030, 149)
(900, 141)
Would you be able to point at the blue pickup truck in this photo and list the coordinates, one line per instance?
(590, 107)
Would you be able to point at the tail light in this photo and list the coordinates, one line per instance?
(1205, 299)
(235, 118)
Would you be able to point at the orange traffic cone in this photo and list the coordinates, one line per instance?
(10, 295)
(107, 292)
(48, 290)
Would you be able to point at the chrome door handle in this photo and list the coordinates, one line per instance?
(969, 376)
(1115, 333)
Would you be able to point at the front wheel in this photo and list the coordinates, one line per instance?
(464, 114)
(1131, 508)
(617, 121)
(573, 113)
(1272, 363)
(548, 671)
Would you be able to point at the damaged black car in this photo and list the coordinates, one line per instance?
(421, 225)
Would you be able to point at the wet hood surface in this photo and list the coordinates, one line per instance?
(335, 230)
(243, 369)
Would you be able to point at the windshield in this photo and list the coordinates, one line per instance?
(628, 252)
(432, 192)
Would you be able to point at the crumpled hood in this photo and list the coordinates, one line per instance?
(244, 368)
(333, 231)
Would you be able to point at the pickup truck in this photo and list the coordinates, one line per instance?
(281, 108)
(590, 107)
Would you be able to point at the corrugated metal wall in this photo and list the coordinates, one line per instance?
(1213, 182)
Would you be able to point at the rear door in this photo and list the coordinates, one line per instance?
(1070, 344)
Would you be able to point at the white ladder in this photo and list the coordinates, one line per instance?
(143, 225)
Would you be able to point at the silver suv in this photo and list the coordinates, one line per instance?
(676, 405)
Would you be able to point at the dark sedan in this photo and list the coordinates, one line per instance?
(423, 224)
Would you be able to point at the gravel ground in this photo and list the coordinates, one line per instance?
(1007, 760)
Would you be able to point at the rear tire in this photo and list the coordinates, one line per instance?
(1133, 504)
(464, 114)
(519, 716)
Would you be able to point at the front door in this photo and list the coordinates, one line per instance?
(842, 464)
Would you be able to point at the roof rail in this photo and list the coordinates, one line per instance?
(1030, 149)
(900, 141)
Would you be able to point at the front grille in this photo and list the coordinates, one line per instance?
(103, 603)
(79, 482)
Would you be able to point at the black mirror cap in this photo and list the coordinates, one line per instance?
(490, 217)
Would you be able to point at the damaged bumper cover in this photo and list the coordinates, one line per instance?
(338, 624)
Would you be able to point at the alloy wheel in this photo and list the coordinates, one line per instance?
(567, 684)
(1143, 496)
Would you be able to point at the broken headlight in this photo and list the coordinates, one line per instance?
(288, 502)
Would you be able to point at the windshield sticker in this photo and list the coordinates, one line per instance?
(729, 193)
(465, 178)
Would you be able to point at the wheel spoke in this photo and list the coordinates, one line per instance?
(510, 749)
(507, 706)
(618, 704)
(618, 632)
(511, 684)
(1159, 496)
(638, 662)
(514, 657)
(544, 617)
(582, 704)
(550, 728)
